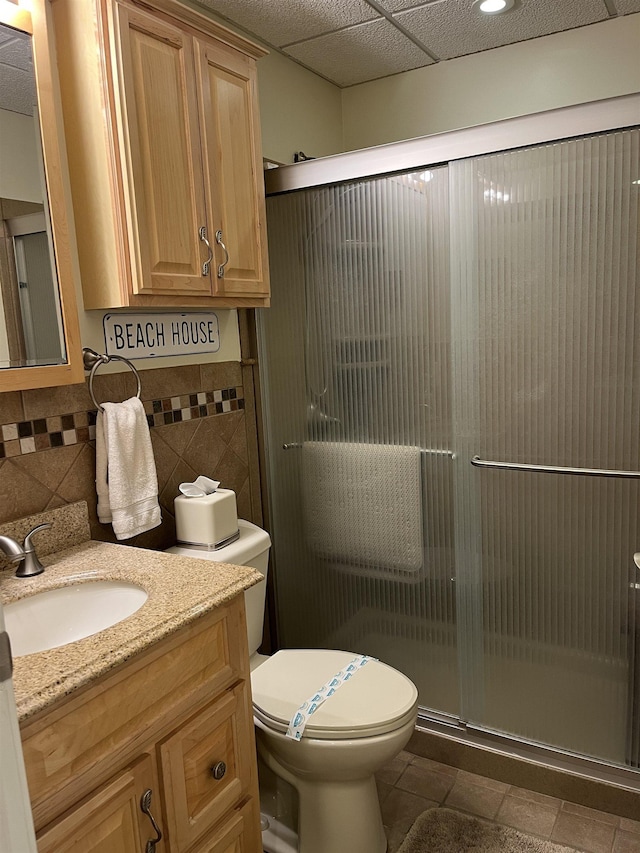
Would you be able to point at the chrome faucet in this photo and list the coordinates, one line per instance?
(25, 554)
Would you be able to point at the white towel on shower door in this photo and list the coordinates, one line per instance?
(126, 478)
(363, 504)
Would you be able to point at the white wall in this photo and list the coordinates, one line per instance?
(573, 67)
(299, 111)
(19, 158)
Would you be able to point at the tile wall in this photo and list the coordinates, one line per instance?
(202, 421)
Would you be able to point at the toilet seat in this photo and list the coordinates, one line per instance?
(378, 699)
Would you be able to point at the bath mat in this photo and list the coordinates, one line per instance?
(446, 831)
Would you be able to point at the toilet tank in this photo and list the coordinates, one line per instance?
(250, 549)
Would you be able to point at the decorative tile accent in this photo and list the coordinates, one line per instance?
(18, 439)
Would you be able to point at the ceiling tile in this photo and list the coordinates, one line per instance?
(625, 7)
(360, 53)
(452, 28)
(17, 90)
(283, 23)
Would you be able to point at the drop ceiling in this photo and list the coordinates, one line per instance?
(353, 41)
(17, 90)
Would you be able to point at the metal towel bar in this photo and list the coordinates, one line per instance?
(93, 360)
(424, 451)
(554, 469)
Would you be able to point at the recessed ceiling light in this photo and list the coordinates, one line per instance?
(493, 7)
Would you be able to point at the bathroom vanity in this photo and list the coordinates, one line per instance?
(158, 703)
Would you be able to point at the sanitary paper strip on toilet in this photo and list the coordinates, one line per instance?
(301, 716)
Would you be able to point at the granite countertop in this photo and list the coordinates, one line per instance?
(180, 589)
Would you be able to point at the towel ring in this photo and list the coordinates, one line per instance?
(94, 360)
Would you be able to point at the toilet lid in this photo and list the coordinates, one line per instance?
(376, 700)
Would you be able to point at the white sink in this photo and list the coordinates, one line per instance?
(56, 617)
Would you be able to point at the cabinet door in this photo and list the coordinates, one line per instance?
(164, 195)
(196, 798)
(233, 168)
(110, 819)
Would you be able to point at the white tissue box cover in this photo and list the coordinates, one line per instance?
(207, 520)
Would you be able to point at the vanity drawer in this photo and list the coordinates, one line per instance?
(88, 735)
(236, 834)
(218, 741)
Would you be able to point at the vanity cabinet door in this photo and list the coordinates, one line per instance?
(233, 169)
(207, 769)
(108, 820)
(162, 145)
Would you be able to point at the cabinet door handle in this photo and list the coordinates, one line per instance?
(226, 253)
(145, 806)
(218, 770)
(203, 236)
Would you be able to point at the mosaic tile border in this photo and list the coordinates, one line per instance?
(18, 439)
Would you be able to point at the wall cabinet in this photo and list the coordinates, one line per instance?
(176, 721)
(162, 127)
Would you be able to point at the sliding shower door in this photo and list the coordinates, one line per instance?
(546, 372)
(356, 356)
(422, 326)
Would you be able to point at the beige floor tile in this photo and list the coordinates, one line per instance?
(630, 825)
(383, 789)
(434, 766)
(391, 772)
(626, 842)
(591, 814)
(400, 809)
(425, 783)
(534, 796)
(476, 799)
(592, 836)
(483, 781)
(395, 837)
(528, 815)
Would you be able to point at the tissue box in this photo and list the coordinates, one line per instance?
(209, 520)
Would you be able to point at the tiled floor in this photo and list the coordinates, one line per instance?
(410, 784)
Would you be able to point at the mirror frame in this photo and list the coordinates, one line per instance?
(35, 20)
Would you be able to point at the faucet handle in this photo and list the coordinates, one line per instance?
(31, 565)
(28, 544)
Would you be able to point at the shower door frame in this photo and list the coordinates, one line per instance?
(439, 149)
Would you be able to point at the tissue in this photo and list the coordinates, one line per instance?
(201, 486)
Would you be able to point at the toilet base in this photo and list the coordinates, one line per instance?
(338, 806)
(335, 816)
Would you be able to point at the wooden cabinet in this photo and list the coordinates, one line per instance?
(176, 720)
(108, 820)
(161, 118)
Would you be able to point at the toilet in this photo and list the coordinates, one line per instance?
(355, 732)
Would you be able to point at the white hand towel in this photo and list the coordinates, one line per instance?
(126, 479)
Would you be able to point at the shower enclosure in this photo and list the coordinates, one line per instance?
(451, 368)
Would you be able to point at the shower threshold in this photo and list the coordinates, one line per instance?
(592, 783)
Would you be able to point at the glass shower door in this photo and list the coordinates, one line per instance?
(546, 373)
(356, 357)
(490, 309)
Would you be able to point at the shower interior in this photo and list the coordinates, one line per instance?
(482, 307)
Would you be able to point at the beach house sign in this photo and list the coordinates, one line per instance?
(154, 334)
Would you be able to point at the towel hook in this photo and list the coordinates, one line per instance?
(94, 360)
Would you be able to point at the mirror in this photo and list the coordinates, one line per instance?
(39, 341)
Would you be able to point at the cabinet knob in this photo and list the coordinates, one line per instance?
(218, 770)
